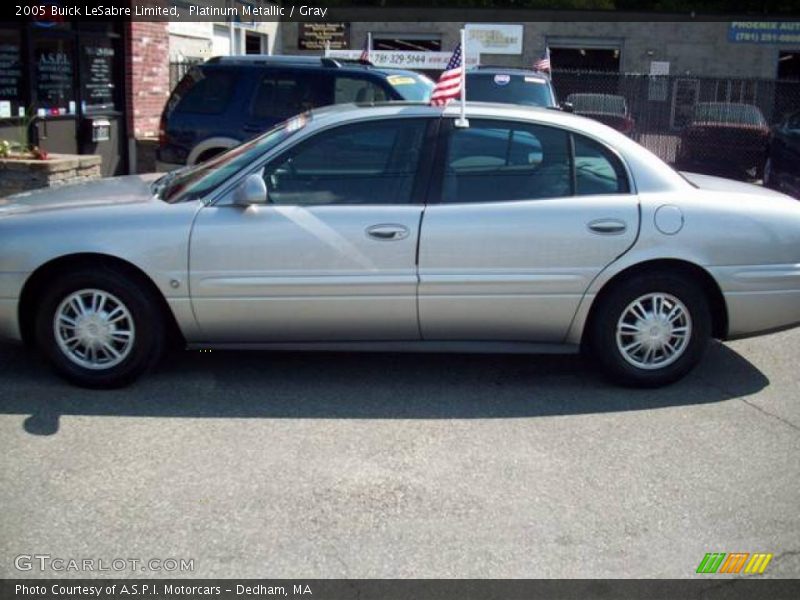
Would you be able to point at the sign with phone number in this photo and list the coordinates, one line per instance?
(764, 32)
(434, 61)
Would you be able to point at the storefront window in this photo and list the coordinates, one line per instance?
(54, 76)
(97, 74)
(10, 74)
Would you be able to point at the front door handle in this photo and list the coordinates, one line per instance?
(608, 226)
(388, 232)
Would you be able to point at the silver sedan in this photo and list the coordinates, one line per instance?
(398, 228)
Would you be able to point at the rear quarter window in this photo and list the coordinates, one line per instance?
(597, 170)
(411, 86)
(357, 89)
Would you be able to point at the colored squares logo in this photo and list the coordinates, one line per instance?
(734, 562)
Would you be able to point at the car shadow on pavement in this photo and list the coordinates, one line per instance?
(360, 386)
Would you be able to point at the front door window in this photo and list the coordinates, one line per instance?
(368, 163)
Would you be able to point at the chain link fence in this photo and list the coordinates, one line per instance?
(707, 125)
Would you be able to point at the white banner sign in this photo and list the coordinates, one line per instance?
(659, 67)
(492, 38)
(435, 61)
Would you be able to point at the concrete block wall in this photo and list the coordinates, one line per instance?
(699, 48)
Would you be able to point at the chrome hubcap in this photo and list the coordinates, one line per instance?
(654, 331)
(94, 329)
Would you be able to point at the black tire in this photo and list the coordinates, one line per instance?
(602, 331)
(148, 327)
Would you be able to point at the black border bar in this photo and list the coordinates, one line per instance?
(701, 588)
(303, 11)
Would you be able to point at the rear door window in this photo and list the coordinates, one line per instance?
(279, 96)
(496, 161)
(207, 92)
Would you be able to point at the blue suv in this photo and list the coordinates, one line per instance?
(228, 100)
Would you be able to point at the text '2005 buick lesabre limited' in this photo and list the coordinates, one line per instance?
(397, 228)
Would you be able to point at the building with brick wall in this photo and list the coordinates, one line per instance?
(148, 87)
(100, 88)
(73, 87)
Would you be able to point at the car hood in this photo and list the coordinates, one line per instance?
(721, 184)
(131, 189)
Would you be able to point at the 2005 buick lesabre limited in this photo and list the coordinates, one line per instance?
(394, 228)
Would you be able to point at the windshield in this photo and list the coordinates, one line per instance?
(598, 103)
(722, 112)
(199, 180)
(509, 89)
(412, 86)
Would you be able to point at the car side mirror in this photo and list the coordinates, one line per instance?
(253, 190)
(567, 107)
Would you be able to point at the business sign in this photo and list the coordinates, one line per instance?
(434, 61)
(314, 36)
(492, 38)
(764, 32)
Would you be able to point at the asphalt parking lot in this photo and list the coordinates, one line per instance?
(324, 465)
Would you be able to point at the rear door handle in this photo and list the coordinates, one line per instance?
(388, 232)
(608, 226)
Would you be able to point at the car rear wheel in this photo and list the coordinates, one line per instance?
(98, 329)
(650, 330)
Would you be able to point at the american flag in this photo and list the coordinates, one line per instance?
(543, 64)
(365, 51)
(449, 85)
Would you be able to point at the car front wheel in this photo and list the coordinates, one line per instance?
(98, 329)
(650, 331)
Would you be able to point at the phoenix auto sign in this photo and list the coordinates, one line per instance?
(764, 32)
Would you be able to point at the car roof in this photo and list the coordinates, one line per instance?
(301, 62)
(473, 109)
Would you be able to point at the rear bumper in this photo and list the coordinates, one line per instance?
(760, 299)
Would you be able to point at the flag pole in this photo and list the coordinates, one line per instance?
(462, 120)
